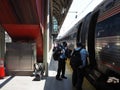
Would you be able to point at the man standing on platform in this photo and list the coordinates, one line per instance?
(62, 62)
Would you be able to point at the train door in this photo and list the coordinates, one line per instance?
(87, 35)
(88, 38)
(91, 38)
(78, 33)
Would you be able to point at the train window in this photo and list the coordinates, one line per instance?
(109, 27)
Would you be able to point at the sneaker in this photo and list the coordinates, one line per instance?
(59, 79)
(64, 77)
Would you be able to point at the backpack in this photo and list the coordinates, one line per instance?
(56, 55)
(75, 59)
(68, 53)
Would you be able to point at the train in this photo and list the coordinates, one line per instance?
(99, 31)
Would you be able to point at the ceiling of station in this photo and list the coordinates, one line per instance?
(59, 9)
(13, 12)
(18, 12)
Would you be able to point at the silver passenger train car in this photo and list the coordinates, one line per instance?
(100, 32)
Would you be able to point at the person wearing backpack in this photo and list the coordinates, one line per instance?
(78, 63)
(62, 63)
(56, 52)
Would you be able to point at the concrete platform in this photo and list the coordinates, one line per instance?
(47, 83)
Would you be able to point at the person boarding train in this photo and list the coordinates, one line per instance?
(78, 65)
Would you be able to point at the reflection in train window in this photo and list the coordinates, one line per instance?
(109, 27)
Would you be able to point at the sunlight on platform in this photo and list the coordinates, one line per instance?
(47, 83)
(52, 73)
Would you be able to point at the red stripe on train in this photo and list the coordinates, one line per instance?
(111, 66)
(109, 13)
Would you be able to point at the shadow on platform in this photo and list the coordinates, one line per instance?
(66, 84)
(6, 81)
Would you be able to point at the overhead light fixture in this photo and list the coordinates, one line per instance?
(63, 10)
